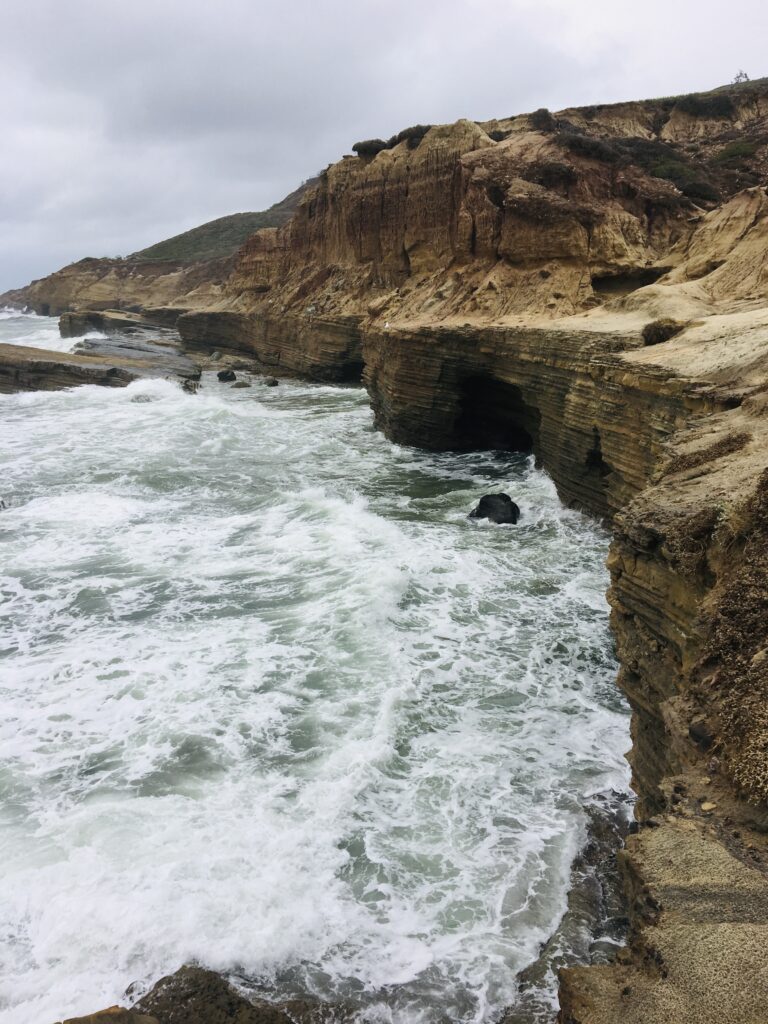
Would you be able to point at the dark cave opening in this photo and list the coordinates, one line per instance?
(594, 462)
(494, 414)
(351, 372)
(622, 284)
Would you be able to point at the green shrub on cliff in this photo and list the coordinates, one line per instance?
(589, 147)
(714, 105)
(735, 152)
(412, 136)
(369, 147)
(542, 120)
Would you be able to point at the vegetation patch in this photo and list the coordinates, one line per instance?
(714, 105)
(662, 330)
(589, 147)
(369, 147)
(542, 120)
(736, 152)
(412, 136)
(692, 460)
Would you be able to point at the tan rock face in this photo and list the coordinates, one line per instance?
(122, 284)
(460, 225)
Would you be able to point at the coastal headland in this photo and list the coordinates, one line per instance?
(590, 286)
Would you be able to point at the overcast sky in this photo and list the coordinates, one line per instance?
(124, 123)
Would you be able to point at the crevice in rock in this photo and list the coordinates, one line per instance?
(594, 461)
(630, 281)
(351, 372)
(494, 414)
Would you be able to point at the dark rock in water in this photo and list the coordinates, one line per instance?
(190, 386)
(241, 384)
(271, 382)
(499, 508)
(195, 996)
(226, 375)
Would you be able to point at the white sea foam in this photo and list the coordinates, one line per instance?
(17, 328)
(271, 702)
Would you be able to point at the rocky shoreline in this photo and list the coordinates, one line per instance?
(496, 285)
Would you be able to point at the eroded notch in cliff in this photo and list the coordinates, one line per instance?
(351, 372)
(594, 462)
(494, 414)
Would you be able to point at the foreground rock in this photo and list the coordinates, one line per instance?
(194, 995)
(99, 362)
(113, 1015)
(499, 508)
(35, 369)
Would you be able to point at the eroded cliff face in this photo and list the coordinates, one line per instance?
(96, 284)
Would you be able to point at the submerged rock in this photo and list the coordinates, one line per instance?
(499, 508)
(226, 375)
(271, 382)
(241, 384)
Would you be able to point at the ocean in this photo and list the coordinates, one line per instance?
(273, 704)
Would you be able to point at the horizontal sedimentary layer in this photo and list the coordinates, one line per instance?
(594, 422)
(35, 369)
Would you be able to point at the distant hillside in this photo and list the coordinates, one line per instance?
(221, 237)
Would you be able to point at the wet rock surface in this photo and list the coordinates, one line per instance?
(499, 508)
(35, 369)
(113, 1015)
(196, 996)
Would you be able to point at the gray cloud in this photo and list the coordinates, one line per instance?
(123, 124)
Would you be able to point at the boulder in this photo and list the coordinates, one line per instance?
(499, 508)
(226, 375)
(271, 382)
(196, 996)
(241, 384)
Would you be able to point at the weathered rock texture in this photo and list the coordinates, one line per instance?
(35, 369)
(111, 362)
(494, 284)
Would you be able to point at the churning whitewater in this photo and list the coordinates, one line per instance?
(273, 704)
